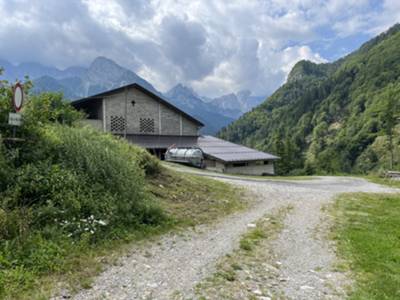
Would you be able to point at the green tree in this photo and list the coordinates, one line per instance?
(390, 116)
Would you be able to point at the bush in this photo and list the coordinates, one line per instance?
(49, 108)
(73, 174)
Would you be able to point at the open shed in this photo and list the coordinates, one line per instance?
(226, 157)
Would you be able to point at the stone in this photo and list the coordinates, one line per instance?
(306, 287)
(257, 292)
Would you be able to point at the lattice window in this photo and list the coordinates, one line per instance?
(118, 124)
(146, 125)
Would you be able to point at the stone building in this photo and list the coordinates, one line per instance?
(150, 121)
(142, 117)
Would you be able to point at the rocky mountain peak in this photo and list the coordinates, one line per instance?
(182, 90)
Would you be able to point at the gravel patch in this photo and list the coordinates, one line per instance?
(171, 267)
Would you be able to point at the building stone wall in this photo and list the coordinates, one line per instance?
(189, 128)
(214, 165)
(170, 121)
(251, 168)
(147, 116)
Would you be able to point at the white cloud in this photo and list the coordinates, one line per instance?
(216, 46)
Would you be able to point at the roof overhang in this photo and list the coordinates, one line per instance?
(228, 152)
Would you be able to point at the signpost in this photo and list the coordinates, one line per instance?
(18, 97)
(15, 118)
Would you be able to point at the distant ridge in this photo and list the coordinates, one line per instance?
(104, 74)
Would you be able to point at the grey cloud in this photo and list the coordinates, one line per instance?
(138, 8)
(185, 44)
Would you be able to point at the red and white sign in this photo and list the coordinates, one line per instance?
(18, 97)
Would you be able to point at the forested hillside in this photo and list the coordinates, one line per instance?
(330, 118)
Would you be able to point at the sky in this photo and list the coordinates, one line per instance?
(213, 46)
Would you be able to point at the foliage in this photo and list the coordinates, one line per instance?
(367, 234)
(332, 118)
(50, 108)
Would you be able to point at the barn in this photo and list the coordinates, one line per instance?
(152, 122)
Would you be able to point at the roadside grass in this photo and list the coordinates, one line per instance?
(367, 232)
(193, 200)
(249, 271)
(384, 181)
(177, 166)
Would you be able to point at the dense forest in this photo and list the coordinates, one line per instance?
(340, 117)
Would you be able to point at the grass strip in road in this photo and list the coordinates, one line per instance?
(367, 232)
(251, 271)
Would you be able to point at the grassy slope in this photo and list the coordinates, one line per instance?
(188, 200)
(367, 232)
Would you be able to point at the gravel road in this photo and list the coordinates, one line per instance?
(170, 267)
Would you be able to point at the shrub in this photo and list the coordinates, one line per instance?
(49, 108)
(77, 173)
(71, 187)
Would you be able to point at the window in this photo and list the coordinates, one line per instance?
(146, 125)
(117, 124)
(242, 164)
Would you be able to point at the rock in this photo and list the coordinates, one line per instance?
(283, 279)
(306, 287)
(257, 292)
(251, 225)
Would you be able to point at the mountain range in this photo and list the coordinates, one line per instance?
(104, 74)
(333, 117)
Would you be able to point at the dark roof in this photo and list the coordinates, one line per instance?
(230, 152)
(142, 89)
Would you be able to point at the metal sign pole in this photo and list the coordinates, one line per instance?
(126, 112)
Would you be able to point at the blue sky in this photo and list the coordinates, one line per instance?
(214, 46)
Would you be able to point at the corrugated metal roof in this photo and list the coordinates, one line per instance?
(230, 152)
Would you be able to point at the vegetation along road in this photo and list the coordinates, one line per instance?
(223, 259)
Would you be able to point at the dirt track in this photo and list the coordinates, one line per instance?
(172, 266)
